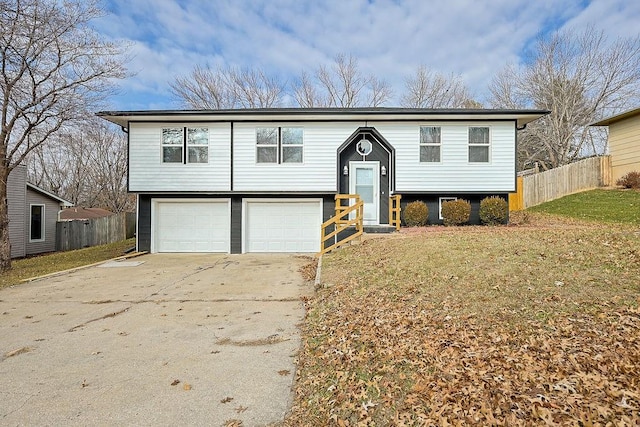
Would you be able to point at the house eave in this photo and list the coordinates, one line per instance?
(618, 117)
(61, 201)
(123, 118)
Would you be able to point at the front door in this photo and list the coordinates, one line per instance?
(364, 179)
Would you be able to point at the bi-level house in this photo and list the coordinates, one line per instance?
(264, 180)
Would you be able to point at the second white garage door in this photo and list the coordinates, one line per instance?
(191, 225)
(282, 226)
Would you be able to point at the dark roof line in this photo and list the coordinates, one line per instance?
(297, 111)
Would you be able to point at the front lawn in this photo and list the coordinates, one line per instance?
(597, 205)
(476, 326)
(58, 261)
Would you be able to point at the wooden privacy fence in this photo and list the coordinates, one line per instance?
(82, 233)
(555, 183)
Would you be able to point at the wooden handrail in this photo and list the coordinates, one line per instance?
(341, 221)
(394, 211)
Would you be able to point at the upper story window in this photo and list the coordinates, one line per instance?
(197, 145)
(176, 148)
(291, 145)
(267, 145)
(430, 141)
(172, 145)
(279, 145)
(479, 143)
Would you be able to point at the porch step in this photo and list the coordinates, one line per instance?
(379, 229)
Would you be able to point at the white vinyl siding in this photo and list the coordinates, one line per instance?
(147, 172)
(454, 173)
(317, 172)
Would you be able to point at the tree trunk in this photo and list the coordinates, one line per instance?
(5, 245)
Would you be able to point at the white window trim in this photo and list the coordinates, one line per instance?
(282, 146)
(185, 146)
(279, 146)
(488, 145)
(430, 144)
(163, 145)
(443, 199)
(42, 224)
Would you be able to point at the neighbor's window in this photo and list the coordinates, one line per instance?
(291, 145)
(430, 139)
(279, 145)
(442, 200)
(37, 223)
(197, 145)
(479, 145)
(172, 142)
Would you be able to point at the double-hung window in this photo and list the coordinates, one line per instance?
(430, 142)
(479, 143)
(197, 145)
(185, 145)
(279, 145)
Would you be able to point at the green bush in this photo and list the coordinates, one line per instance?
(416, 214)
(630, 180)
(494, 210)
(456, 212)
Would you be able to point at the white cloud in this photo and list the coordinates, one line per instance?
(391, 38)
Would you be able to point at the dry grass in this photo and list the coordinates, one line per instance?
(518, 325)
(58, 261)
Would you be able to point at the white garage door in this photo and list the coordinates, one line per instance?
(191, 226)
(277, 226)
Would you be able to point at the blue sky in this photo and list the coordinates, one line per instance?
(390, 38)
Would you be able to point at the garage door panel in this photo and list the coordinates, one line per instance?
(189, 226)
(283, 226)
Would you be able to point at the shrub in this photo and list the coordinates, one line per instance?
(494, 210)
(416, 214)
(456, 212)
(630, 180)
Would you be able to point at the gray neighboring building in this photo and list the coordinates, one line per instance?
(33, 213)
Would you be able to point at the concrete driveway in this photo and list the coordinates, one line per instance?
(177, 340)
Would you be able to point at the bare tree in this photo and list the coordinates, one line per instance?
(429, 89)
(341, 85)
(86, 165)
(215, 89)
(54, 68)
(579, 78)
